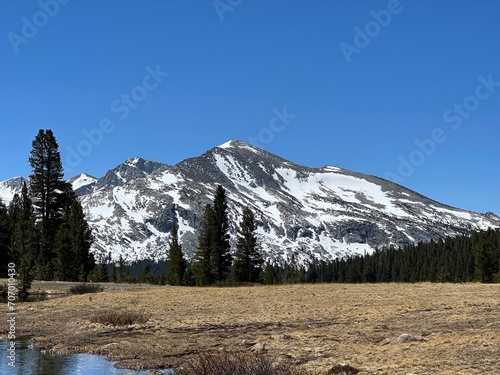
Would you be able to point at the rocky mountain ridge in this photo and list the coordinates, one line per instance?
(308, 213)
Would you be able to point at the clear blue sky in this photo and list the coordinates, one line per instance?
(361, 81)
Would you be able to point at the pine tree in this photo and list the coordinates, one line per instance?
(123, 272)
(104, 271)
(176, 263)
(73, 241)
(65, 261)
(486, 263)
(82, 238)
(24, 242)
(201, 265)
(248, 261)
(220, 258)
(270, 275)
(114, 273)
(147, 276)
(47, 189)
(4, 239)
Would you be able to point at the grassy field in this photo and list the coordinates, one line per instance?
(455, 327)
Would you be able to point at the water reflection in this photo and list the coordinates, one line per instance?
(31, 361)
(31, 298)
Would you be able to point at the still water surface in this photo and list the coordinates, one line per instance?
(30, 298)
(31, 361)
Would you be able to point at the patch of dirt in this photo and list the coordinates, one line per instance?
(317, 326)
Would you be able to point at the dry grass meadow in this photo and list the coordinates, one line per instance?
(456, 327)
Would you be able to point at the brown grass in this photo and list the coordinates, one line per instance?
(316, 327)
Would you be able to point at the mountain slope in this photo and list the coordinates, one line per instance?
(310, 213)
(10, 187)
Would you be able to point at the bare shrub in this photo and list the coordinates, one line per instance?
(85, 288)
(237, 364)
(121, 318)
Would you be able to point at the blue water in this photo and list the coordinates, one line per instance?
(31, 361)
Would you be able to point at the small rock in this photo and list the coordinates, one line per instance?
(275, 365)
(258, 348)
(405, 337)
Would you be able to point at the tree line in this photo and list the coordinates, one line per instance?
(44, 231)
(467, 258)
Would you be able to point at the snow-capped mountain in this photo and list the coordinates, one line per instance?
(10, 187)
(311, 213)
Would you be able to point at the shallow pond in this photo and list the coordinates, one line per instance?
(32, 361)
(31, 298)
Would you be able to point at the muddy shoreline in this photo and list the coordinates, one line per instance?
(455, 326)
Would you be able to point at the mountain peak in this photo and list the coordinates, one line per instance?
(237, 144)
(80, 176)
(83, 183)
(135, 161)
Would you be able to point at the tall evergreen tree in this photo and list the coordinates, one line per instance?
(248, 261)
(24, 243)
(148, 276)
(270, 275)
(176, 264)
(123, 272)
(220, 258)
(47, 184)
(486, 262)
(4, 239)
(73, 241)
(47, 189)
(201, 265)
